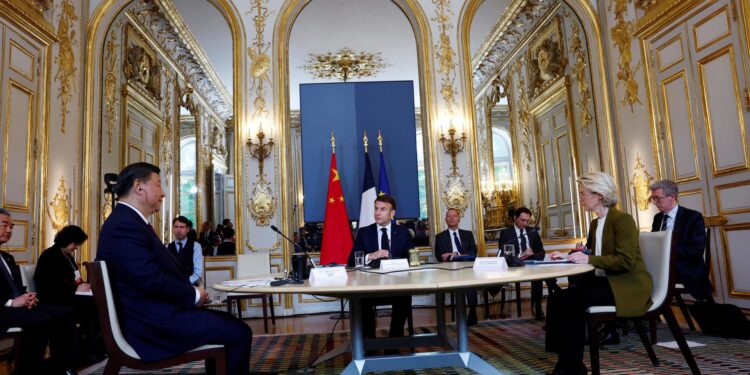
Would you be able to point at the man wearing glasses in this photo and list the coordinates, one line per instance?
(689, 234)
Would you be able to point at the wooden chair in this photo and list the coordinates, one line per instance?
(119, 350)
(253, 264)
(658, 255)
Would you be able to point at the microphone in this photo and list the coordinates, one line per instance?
(273, 228)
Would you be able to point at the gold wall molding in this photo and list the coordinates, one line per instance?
(546, 58)
(660, 13)
(622, 37)
(260, 62)
(640, 182)
(167, 130)
(715, 221)
(580, 74)
(65, 60)
(141, 67)
(30, 17)
(445, 55)
(111, 83)
(524, 115)
(59, 208)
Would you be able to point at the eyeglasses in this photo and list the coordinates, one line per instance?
(584, 195)
(656, 199)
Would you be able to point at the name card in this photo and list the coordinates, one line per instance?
(493, 264)
(388, 265)
(328, 275)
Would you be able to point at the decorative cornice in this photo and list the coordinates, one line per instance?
(515, 27)
(29, 16)
(150, 14)
(660, 13)
(502, 24)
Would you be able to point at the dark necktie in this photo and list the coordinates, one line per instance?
(459, 248)
(9, 279)
(664, 221)
(179, 247)
(384, 243)
(523, 240)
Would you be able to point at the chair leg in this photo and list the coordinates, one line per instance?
(680, 338)
(502, 302)
(518, 299)
(273, 314)
(112, 367)
(652, 328)
(216, 365)
(265, 314)
(685, 312)
(453, 307)
(646, 343)
(410, 323)
(593, 345)
(486, 304)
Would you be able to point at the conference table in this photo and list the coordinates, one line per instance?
(437, 279)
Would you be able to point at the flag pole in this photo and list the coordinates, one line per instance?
(364, 140)
(333, 142)
(380, 141)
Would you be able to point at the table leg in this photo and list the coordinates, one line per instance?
(461, 327)
(355, 324)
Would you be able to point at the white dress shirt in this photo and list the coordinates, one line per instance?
(670, 221)
(598, 244)
(379, 235)
(451, 232)
(525, 234)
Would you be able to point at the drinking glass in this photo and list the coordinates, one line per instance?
(359, 259)
(509, 249)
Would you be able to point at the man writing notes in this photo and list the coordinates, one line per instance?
(454, 242)
(689, 234)
(160, 311)
(188, 252)
(528, 245)
(384, 240)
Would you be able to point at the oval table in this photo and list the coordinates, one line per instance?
(438, 279)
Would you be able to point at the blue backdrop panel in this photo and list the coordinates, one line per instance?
(348, 109)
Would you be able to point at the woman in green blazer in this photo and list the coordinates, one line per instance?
(620, 277)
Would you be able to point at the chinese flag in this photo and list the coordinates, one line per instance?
(337, 234)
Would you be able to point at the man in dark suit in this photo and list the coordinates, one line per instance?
(227, 246)
(40, 322)
(160, 311)
(454, 242)
(689, 234)
(528, 245)
(384, 240)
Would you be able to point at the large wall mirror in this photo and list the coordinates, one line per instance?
(370, 29)
(536, 121)
(167, 84)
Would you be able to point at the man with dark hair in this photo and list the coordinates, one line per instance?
(227, 247)
(383, 240)
(160, 312)
(187, 251)
(689, 236)
(40, 322)
(456, 242)
(528, 245)
(227, 223)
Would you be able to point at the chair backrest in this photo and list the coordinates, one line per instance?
(656, 249)
(256, 263)
(105, 303)
(27, 276)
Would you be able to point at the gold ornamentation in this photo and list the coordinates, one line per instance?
(715, 221)
(645, 4)
(453, 146)
(167, 144)
(622, 36)
(59, 208)
(260, 62)
(218, 140)
(260, 150)
(262, 202)
(496, 206)
(65, 57)
(455, 194)
(445, 54)
(345, 64)
(546, 60)
(110, 88)
(141, 67)
(640, 182)
(524, 117)
(579, 72)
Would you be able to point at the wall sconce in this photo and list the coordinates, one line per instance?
(260, 150)
(453, 145)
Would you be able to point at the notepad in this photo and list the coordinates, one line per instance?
(533, 262)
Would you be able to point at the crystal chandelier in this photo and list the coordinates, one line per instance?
(344, 64)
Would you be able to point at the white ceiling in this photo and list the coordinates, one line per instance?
(212, 32)
(329, 25)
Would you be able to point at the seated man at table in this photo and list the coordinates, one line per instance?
(528, 245)
(384, 240)
(452, 243)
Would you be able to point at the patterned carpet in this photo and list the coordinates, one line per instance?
(512, 346)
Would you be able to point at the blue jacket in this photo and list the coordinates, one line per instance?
(367, 241)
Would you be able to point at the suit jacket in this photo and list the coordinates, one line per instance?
(689, 236)
(367, 241)
(622, 261)
(444, 243)
(155, 300)
(55, 277)
(508, 237)
(226, 248)
(6, 291)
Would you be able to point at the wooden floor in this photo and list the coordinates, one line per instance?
(326, 322)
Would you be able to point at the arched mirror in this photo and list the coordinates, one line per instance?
(370, 42)
(536, 121)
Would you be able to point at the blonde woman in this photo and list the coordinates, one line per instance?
(620, 277)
